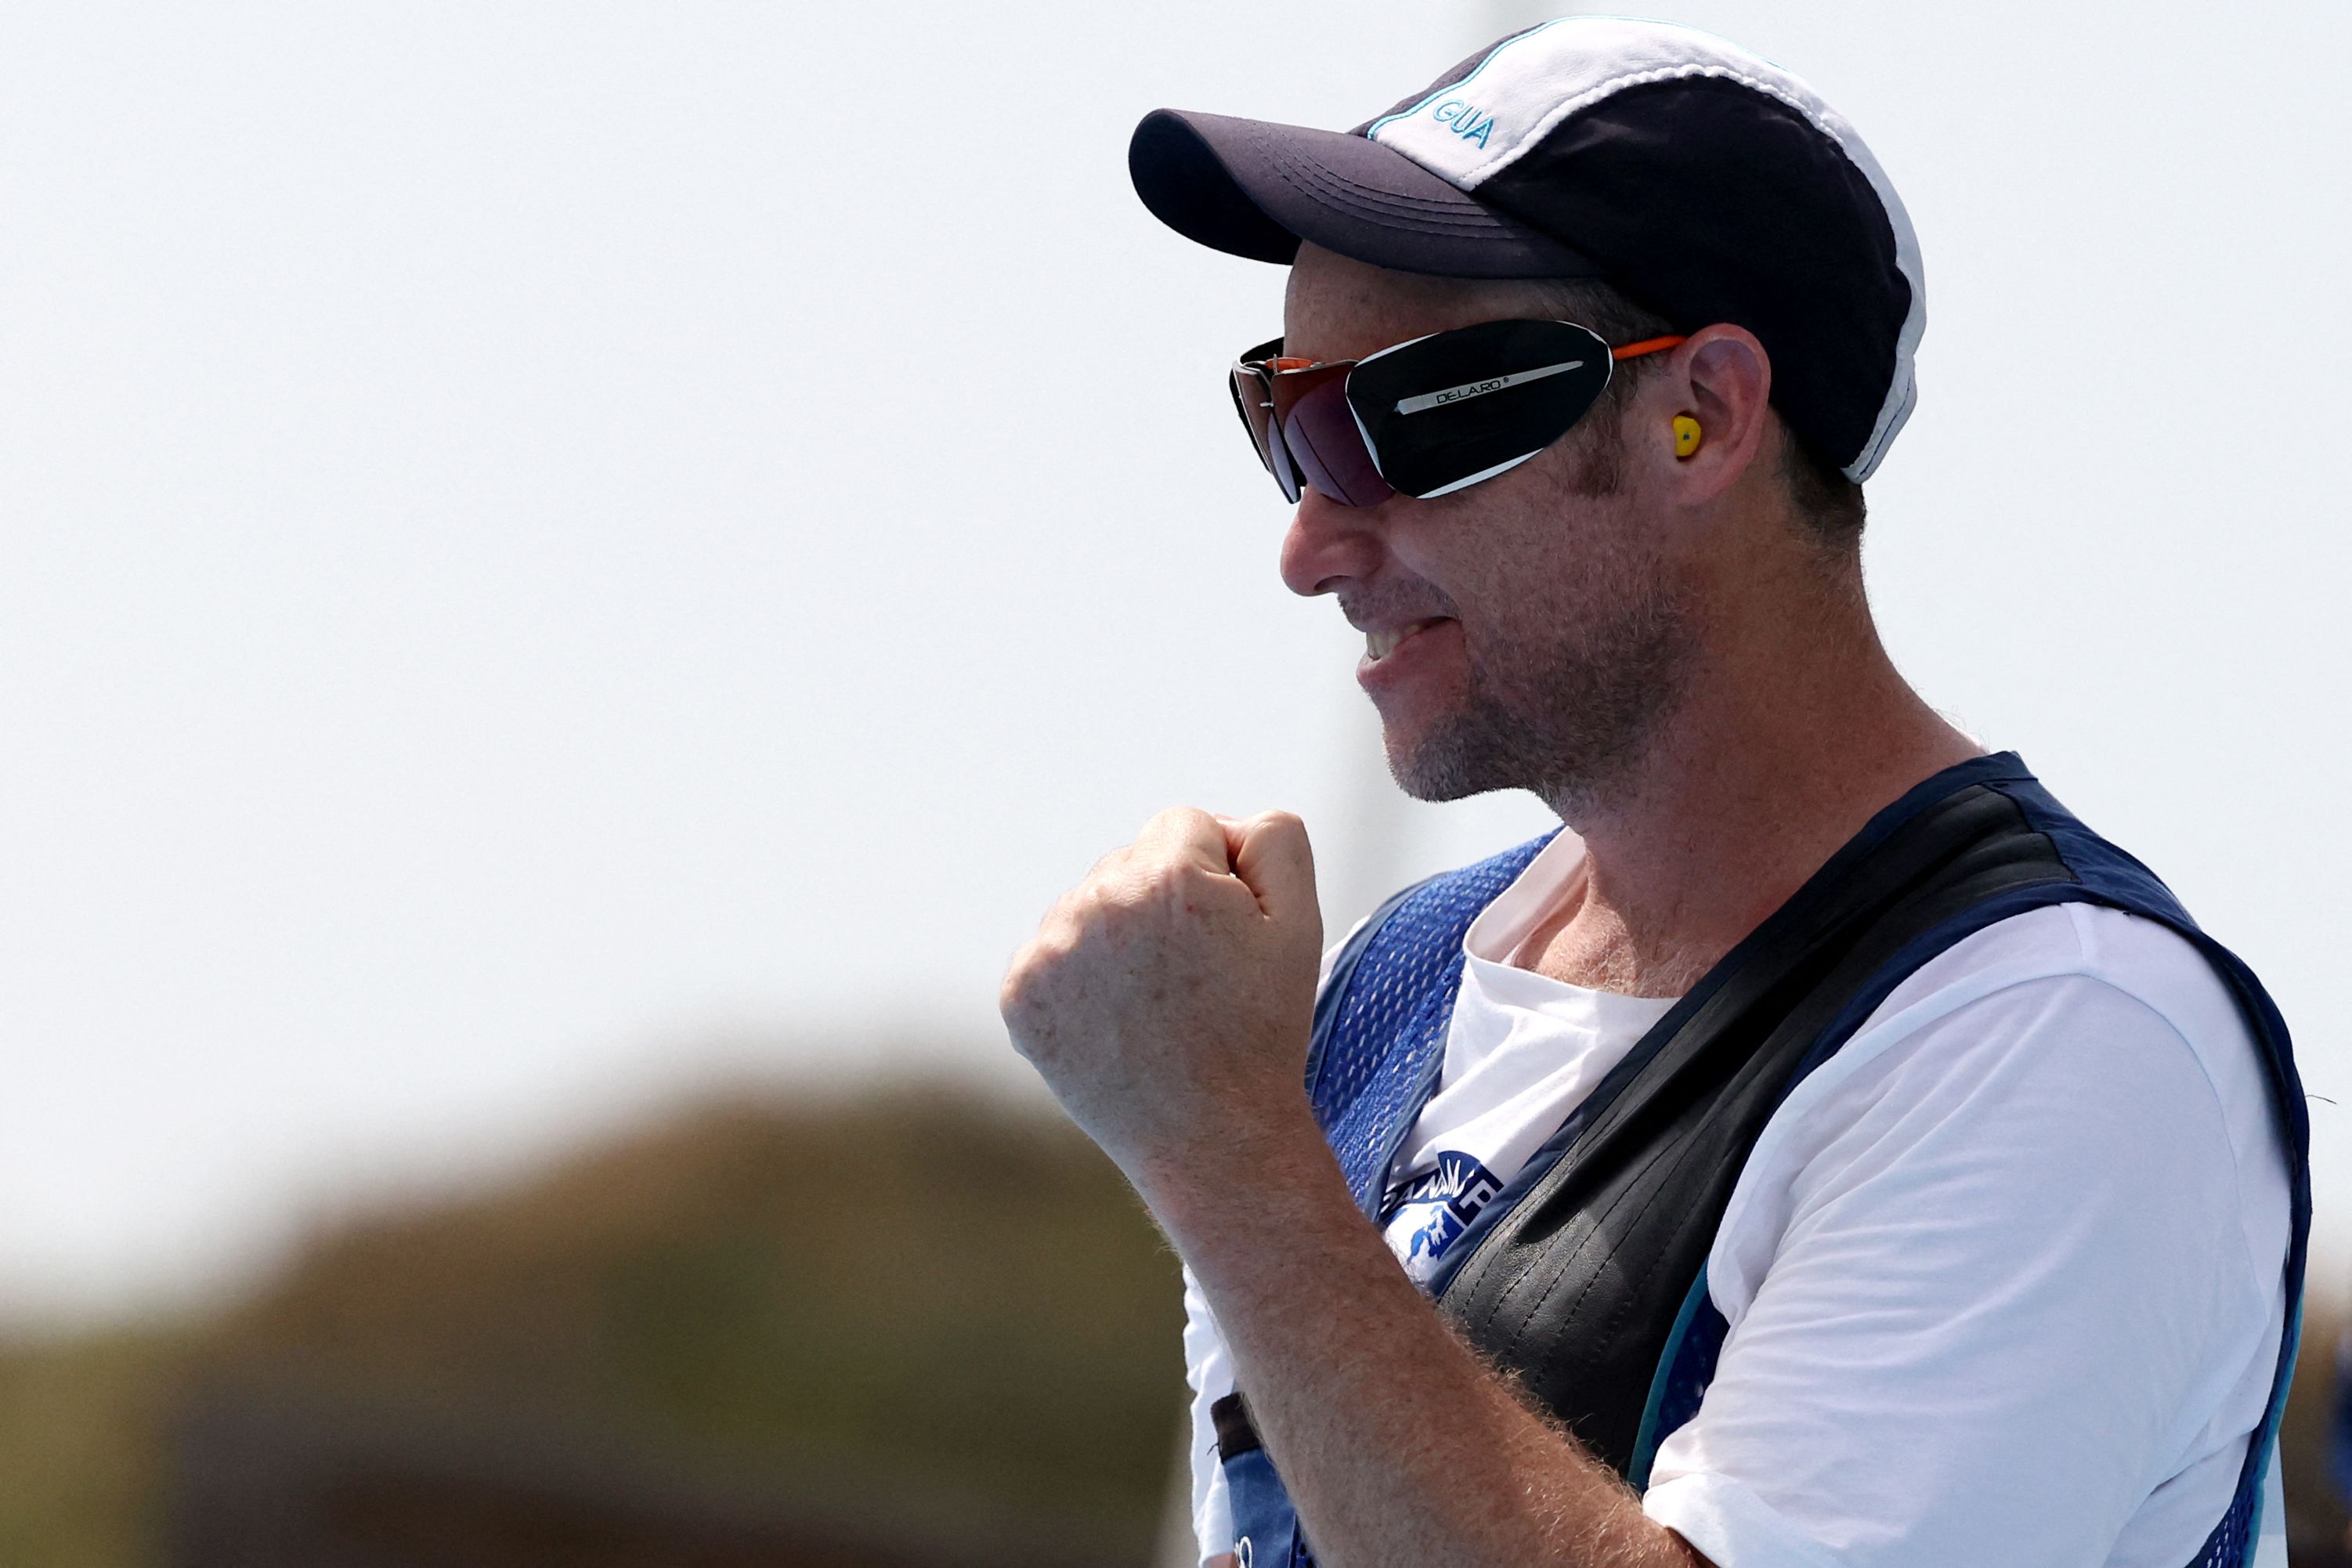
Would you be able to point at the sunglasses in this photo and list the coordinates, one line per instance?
(1426, 417)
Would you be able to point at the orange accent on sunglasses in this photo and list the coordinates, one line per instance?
(1630, 350)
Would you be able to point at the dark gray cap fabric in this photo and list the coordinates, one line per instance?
(1256, 189)
(1702, 181)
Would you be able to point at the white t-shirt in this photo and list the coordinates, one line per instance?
(2004, 1276)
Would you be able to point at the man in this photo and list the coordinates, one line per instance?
(1826, 1151)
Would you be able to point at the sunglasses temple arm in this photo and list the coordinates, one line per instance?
(1648, 346)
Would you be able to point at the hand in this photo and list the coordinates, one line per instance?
(1167, 1000)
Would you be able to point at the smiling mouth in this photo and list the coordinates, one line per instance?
(1378, 646)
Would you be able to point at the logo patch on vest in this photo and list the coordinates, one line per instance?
(1424, 1216)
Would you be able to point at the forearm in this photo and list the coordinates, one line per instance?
(1397, 1445)
(1166, 1001)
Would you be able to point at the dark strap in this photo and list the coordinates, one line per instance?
(1585, 1276)
(1235, 1435)
(1577, 1288)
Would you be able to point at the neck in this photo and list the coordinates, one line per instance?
(1793, 732)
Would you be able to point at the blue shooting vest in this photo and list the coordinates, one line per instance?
(1586, 1276)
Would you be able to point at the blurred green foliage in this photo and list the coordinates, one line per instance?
(81, 1457)
(917, 1283)
(2315, 1516)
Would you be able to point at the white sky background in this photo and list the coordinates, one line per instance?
(551, 553)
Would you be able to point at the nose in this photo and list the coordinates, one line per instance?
(1328, 545)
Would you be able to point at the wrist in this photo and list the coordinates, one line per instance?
(1217, 1192)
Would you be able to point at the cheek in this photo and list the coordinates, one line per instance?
(1525, 551)
(1537, 585)
(1472, 545)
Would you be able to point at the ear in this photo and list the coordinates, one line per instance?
(1722, 377)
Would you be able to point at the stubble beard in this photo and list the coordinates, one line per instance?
(1561, 721)
(1569, 707)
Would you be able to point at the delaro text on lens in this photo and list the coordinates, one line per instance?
(1456, 395)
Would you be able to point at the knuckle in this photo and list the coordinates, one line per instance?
(1173, 886)
(1175, 825)
(1012, 994)
(1137, 884)
(1021, 974)
(1053, 943)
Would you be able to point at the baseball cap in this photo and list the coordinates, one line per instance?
(1702, 181)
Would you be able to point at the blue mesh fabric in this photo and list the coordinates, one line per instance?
(1387, 1038)
(1380, 1059)
(2231, 1544)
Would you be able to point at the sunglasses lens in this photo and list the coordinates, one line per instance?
(1452, 409)
(1255, 400)
(1322, 436)
(1251, 386)
(1254, 404)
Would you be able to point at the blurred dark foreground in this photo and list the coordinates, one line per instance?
(913, 1330)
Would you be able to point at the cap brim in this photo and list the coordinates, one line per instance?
(1256, 189)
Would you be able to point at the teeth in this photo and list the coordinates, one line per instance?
(1378, 646)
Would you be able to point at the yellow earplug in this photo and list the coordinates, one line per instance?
(1686, 434)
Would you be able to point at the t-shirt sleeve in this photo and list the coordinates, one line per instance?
(2004, 1287)
(1208, 1368)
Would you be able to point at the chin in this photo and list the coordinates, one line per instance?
(1451, 760)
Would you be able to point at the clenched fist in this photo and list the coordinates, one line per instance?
(1167, 999)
